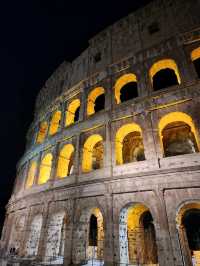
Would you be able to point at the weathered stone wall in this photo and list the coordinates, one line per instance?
(53, 219)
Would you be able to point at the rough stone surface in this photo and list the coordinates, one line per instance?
(51, 221)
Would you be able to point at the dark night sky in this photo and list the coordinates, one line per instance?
(35, 37)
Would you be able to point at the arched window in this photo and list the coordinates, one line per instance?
(55, 123)
(45, 169)
(164, 73)
(126, 88)
(137, 237)
(195, 56)
(188, 225)
(129, 144)
(93, 231)
(42, 132)
(31, 174)
(72, 114)
(96, 101)
(65, 161)
(93, 153)
(177, 134)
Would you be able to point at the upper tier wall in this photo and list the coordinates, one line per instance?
(158, 21)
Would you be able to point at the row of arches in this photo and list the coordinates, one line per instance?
(137, 235)
(176, 132)
(163, 73)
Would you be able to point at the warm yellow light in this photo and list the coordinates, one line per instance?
(120, 135)
(195, 54)
(163, 64)
(45, 169)
(55, 122)
(122, 81)
(183, 209)
(64, 160)
(87, 152)
(134, 216)
(92, 98)
(70, 114)
(42, 132)
(177, 117)
(31, 174)
(100, 231)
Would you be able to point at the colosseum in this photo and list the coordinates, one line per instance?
(111, 171)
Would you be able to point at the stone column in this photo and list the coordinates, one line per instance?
(163, 237)
(142, 81)
(69, 240)
(115, 239)
(55, 154)
(43, 234)
(63, 115)
(156, 138)
(26, 233)
(108, 232)
(108, 149)
(83, 106)
(184, 66)
(77, 155)
(35, 182)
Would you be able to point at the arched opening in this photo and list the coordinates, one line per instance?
(72, 114)
(188, 221)
(177, 134)
(65, 161)
(99, 103)
(129, 144)
(164, 73)
(93, 153)
(55, 123)
(93, 231)
(195, 56)
(42, 132)
(96, 101)
(137, 236)
(89, 238)
(56, 238)
(97, 156)
(31, 174)
(45, 169)
(76, 115)
(126, 88)
(34, 236)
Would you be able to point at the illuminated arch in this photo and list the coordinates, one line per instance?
(88, 150)
(72, 109)
(176, 117)
(64, 161)
(42, 132)
(94, 94)
(136, 233)
(195, 54)
(120, 135)
(121, 82)
(31, 174)
(45, 169)
(164, 64)
(187, 221)
(55, 123)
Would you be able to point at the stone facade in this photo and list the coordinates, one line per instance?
(137, 203)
